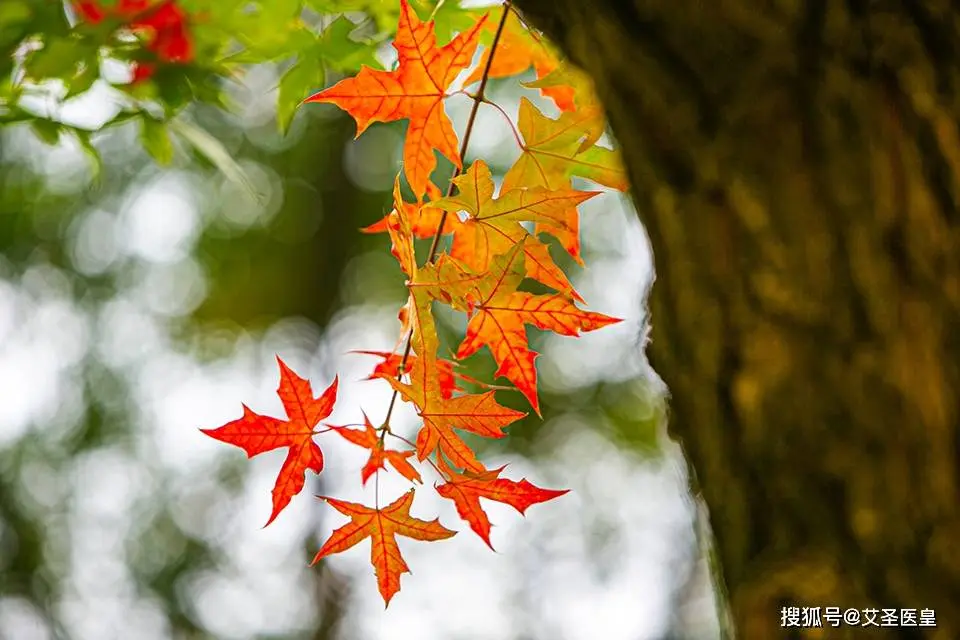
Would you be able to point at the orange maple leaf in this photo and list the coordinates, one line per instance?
(553, 152)
(424, 222)
(381, 526)
(493, 224)
(415, 91)
(499, 313)
(256, 434)
(369, 439)
(466, 490)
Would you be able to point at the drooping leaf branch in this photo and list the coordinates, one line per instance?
(490, 253)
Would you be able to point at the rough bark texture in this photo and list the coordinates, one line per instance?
(797, 167)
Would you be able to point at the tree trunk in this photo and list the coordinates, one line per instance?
(796, 164)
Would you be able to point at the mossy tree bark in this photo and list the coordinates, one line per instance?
(796, 164)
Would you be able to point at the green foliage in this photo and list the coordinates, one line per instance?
(50, 49)
(332, 48)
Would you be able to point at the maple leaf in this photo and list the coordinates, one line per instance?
(446, 279)
(369, 439)
(381, 526)
(499, 313)
(477, 413)
(256, 434)
(408, 221)
(493, 224)
(553, 153)
(414, 91)
(466, 490)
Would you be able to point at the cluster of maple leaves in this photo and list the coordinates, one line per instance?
(490, 253)
(162, 25)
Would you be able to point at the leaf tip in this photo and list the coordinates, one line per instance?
(273, 516)
(283, 365)
(486, 539)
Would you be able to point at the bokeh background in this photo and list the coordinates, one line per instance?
(141, 303)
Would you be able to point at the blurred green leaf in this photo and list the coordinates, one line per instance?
(58, 58)
(269, 31)
(450, 18)
(47, 130)
(156, 139)
(96, 161)
(333, 48)
(340, 51)
(88, 74)
(14, 14)
(265, 40)
(211, 149)
(295, 84)
(448, 15)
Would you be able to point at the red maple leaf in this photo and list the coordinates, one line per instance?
(499, 314)
(256, 434)
(368, 438)
(466, 490)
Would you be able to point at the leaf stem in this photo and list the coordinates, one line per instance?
(513, 129)
(477, 99)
